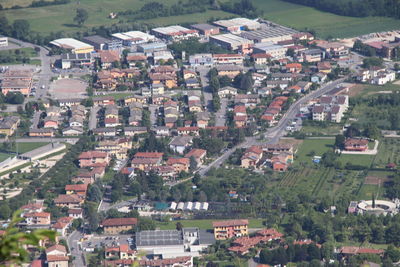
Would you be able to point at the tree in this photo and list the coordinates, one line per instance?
(339, 141)
(372, 61)
(193, 163)
(246, 82)
(214, 84)
(81, 16)
(392, 253)
(94, 193)
(5, 212)
(21, 29)
(179, 226)
(14, 241)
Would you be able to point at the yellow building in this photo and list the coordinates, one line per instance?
(76, 47)
(8, 125)
(117, 225)
(229, 229)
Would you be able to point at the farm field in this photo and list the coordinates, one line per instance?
(289, 14)
(203, 224)
(61, 16)
(323, 23)
(330, 130)
(368, 89)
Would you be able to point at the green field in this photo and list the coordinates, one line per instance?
(369, 89)
(323, 23)
(60, 17)
(203, 224)
(330, 130)
(388, 152)
(22, 148)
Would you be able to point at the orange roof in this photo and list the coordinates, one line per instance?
(51, 258)
(293, 65)
(148, 155)
(239, 108)
(56, 247)
(230, 223)
(92, 154)
(119, 222)
(173, 161)
(109, 56)
(192, 128)
(37, 214)
(76, 187)
(196, 153)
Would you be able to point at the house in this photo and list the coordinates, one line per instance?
(228, 229)
(117, 225)
(72, 131)
(222, 59)
(293, 67)
(107, 132)
(179, 164)
(324, 67)
(192, 83)
(356, 144)
(251, 157)
(189, 130)
(56, 256)
(250, 100)
(351, 251)
(108, 57)
(75, 213)
(69, 201)
(227, 91)
(180, 143)
(240, 121)
(78, 189)
(201, 60)
(51, 122)
(8, 125)
(229, 70)
(132, 131)
(319, 77)
(202, 119)
(198, 154)
(195, 106)
(143, 160)
(122, 252)
(161, 130)
(169, 81)
(36, 218)
(261, 58)
(264, 91)
(103, 100)
(93, 159)
(62, 225)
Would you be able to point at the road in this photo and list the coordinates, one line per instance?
(153, 114)
(72, 242)
(275, 133)
(220, 118)
(206, 89)
(35, 119)
(43, 140)
(93, 117)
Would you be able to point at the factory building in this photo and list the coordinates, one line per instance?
(174, 33)
(232, 42)
(275, 51)
(76, 47)
(133, 37)
(237, 25)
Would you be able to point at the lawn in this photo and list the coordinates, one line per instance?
(388, 152)
(330, 130)
(18, 56)
(26, 147)
(368, 89)
(317, 146)
(368, 190)
(323, 23)
(203, 224)
(4, 156)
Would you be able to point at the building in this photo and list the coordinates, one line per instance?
(133, 37)
(273, 34)
(232, 42)
(71, 60)
(179, 164)
(3, 41)
(69, 201)
(312, 55)
(331, 108)
(143, 160)
(174, 33)
(116, 225)
(108, 57)
(261, 58)
(17, 81)
(334, 49)
(151, 47)
(205, 29)
(56, 256)
(8, 125)
(356, 144)
(228, 229)
(93, 158)
(36, 219)
(173, 243)
(101, 43)
(199, 155)
(234, 59)
(237, 25)
(229, 70)
(227, 91)
(201, 60)
(180, 143)
(251, 157)
(76, 47)
(275, 51)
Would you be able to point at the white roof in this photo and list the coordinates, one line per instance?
(231, 38)
(138, 34)
(197, 206)
(70, 43)
(188, 206)
(171, 29)
(173, 205)
(180, 206)
(204, 206)
(121, 36)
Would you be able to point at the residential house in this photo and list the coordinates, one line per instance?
(42, 132)
(261, 58)
(69, 201)
(117, 225)
(8, 125)
(319, 77)
(106, 132)
(56, 256)
(143, 160)
(356, 144)
(93, 159)
(51, 122)
(251, 157)
(72, 131)
(38, 218)
(108, 57)
(180, 143)
(77, 189)
(189, 130)
(179, 164)
(62, 225)
(228, 229)
(227, 91)
(198, 154)
(75, 213)
(229, 70)
(132, 131)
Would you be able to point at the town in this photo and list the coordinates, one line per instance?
(238, 142)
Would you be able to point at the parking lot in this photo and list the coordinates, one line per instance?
(107, 241)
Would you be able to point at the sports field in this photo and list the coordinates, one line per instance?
(60, 17)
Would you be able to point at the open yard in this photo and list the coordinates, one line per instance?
(361, 90)
(388, 152)
(60, 17)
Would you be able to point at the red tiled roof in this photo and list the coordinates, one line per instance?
(92, 154)
(56, 247)
(230, 223)
(76, 187)
(148, 155)
(196, 153)
(75, 211)
(67, 199)
(360, 250)
(173, 161)
(37, 214)
(119, 222)
(190, 128)
(51, 258)
(109, 56)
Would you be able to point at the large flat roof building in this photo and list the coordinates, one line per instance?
(206, 29)
(70, 60)
(232, 42)
(237, 25)
(74, 45)
(101, 43)
(274, 34)
(174, 32)
(134, 37)
(275, 51)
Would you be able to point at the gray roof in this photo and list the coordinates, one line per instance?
(159, 238)
(203, 26)
(181, 140)
(96, 39)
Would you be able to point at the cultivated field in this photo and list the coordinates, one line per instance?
(325, 24)
(60, 17)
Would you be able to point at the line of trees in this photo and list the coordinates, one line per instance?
(355, 8)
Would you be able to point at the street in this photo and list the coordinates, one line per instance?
(93, 117)
(275, 133)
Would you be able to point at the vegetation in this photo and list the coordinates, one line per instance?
(17, 56)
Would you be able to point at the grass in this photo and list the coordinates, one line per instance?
(4, 156)
(367, 191)
(388, 152)
(368, 89)
(203, 224)
(60, 17)
(18, 56)
(119, 96)
(323, 23)
(331, 130)
(26, 147)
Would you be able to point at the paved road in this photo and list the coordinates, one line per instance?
(72, 242)
(93, 117)
(35, 119)
(43, 139)
(275, 133)
(220, 117)
(153, 113)
(206, 89)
